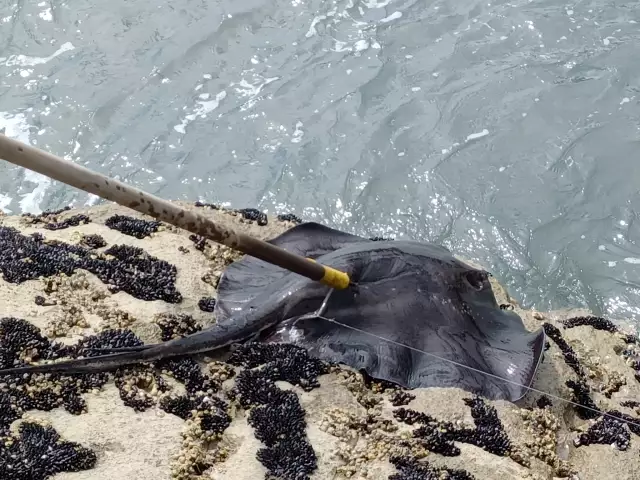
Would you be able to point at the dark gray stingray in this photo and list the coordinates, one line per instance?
(410, 298)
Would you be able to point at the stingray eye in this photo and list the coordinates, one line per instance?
(475, 279)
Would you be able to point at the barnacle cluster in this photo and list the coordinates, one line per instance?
(176, 325)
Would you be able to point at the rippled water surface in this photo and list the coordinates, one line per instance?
(507, 131)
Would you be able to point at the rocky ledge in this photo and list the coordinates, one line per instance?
(74, 280)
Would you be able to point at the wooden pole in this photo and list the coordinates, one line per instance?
(80, 177)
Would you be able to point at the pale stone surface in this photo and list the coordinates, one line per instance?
(143, 445)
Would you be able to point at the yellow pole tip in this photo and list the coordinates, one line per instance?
(335, 278)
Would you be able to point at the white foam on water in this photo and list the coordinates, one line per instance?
(16, 126)
(312, 28)
(25, 61)
(375, 4)
(246, 89)
(475, 136)
(394, 16)
(624, 100)
(46, 15)
(91, 200)
(5, 201)
(201, 110)
(360, 45)
(298, 133)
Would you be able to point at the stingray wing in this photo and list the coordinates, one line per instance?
(249, 278)
(417, 321)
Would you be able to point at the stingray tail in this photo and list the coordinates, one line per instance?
(218, 336)
(100, 363)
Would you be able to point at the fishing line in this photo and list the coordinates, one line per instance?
(473, 369)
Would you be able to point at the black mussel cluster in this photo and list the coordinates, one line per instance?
(73, 221)
(597, 323)
(439, 437)
(50, 221)
(206, 205)
(254, 215)
(134, 227)
(199, 242)
(412, 469)
(610, 428)
(544, 402)
(400, 398)
(207, 304)
(289, 217)
(580, 388)
(93, 241)
(131, 270)
(38, 453)
(614, 429)
(277, 417)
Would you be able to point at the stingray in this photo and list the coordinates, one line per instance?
(416, 316)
